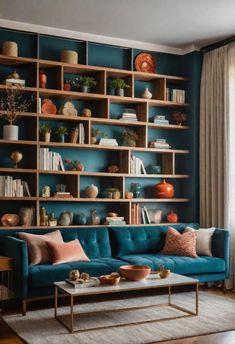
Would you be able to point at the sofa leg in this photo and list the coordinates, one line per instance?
(24, 306)
(224, 287)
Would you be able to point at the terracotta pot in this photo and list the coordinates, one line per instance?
(67, 86)
(10, 220)
(172, 217)
(135, 272)
(163, 190)
(116, 194)
(109, 280)
(42, 79)
(129, 194)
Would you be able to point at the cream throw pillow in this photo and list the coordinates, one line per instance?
(203, 241)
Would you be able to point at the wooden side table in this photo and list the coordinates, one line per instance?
(6, 276)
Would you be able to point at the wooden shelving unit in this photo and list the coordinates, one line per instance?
(103, 101)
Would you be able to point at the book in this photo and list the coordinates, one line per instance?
(92, 282)
(147, 215)
(12, 82)
(143, 216)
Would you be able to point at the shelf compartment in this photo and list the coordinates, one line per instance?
(54, 76)
(102, 183)
(30, 178)
(27, 128)
(71, 182)
(26, 70)
(7, 207)
(156, 87)
(29, 160)
(116, 110)
(70, 74)
(127, 77)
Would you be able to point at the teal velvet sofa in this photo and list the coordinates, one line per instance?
(108, 249)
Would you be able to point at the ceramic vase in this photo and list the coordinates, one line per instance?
(91, 191)
(47, 137)
(61, 138)
(11, 132)
(120, 92)
(42, 79)
(27, 216)
(147, 94)
(136, 189)
(85, 89)
(80, 219)
(95, 217)
(66, 218)
(163, 190)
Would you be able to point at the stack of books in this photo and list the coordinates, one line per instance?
(139, 215)
(14, 82)
(50, 161)
(115, 221)
(10, 187)
(78, 134)
(160, 119)
(175, 95)
(63, 195)
(160, 144)
(129, 117)
(108, 142)
(137, 166)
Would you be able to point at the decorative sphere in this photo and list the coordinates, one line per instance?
(86, 112)
(16, 157)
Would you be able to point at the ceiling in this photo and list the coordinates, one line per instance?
(174, 23)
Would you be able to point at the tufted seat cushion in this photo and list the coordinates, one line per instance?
(44, 275)
(180, 265)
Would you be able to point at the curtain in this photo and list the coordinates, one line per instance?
(217, 142)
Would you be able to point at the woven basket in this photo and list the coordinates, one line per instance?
(10, 48)
(69, 56)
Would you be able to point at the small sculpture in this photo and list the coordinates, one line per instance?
(74, 275)
(91, 191)
(86, 112)
(113, 169)
(16, 157)
(179, 117)
(66, 218)
(95, 217)
(27, 216)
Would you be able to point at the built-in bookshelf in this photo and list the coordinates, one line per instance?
(96, 158)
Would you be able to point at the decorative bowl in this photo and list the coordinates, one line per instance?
(10, 220)
(164, 273)
(135, 272)
(109, 280)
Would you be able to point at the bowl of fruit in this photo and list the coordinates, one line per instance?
(112, 279)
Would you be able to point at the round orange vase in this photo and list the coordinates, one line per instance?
(172, 217)
(163, 190)
(42, 79)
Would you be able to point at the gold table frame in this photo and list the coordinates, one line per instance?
(189, 313)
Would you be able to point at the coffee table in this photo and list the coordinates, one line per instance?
(152, 282)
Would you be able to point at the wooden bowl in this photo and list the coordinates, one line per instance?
(109, 280)
(135, 272)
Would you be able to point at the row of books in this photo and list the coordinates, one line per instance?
(108, 142)
(139, 215)
(50, 161)
(175, 95)
(137, 166)
(129, 117)
(78, 134)
(115, 221)
(10, 187)
(160, 144)
(160, 119)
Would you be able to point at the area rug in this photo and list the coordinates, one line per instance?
(216, 314)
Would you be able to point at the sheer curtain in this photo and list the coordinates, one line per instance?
(217, 143)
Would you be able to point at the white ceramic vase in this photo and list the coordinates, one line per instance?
(47, 137)
(147, 94)
(11, 132)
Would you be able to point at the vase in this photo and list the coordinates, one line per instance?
(95, 217)
(80, 219)
(61, 138)
(11, 132)
(120, 92)
(129, 194)
(128, 142)
(136, 189)
(147, 94)
(163, 190)
(93, 140)
(66, 218)
(91, 191)
(116, 194)
(47, 137)
(27, 216)
(85, 89)
(172, 217)
(42, 79)
(86, 112)
(67, 86)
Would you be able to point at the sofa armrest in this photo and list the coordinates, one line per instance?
(221, 245)
(17, 250)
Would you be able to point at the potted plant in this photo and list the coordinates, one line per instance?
(129, 138)
(95, 132)
(85, 83)
(61, 132)
(45, 132)
(12, 107)
(74, 165)
(119, 85)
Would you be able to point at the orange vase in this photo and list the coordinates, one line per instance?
(163, 190)
(172, 217)
(42, 79)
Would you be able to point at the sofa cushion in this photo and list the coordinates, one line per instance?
(45, 275)
(180, 265)
(66, 252)
(135, 240)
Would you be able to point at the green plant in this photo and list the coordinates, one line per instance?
(62, 131)
(111, 189)
(130, 134)
(88, 81)
(44, 129)
(119, 83)
(97, 132)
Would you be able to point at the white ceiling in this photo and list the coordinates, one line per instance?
(175, 23)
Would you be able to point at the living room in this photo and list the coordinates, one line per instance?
(117, 184)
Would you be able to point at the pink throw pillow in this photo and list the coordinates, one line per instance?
(180, 244)
(37, 246)
(67, 252)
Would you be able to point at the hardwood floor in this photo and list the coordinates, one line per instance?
(7, 336)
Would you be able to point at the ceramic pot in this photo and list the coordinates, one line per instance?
(10, 220)
(116, 194)
(47, 137)
(66, 218)
(91, 191)
(135, 272)
(67, 86)
(11, 132)
(163, 190)
(155, 215)
(93, 140)
(95, 217)
(136, 189)
(120, 92)
(147, 94)
(129, 195)
(42, 79)
(86, 112)
(172, 217)
(27, 216)
(61, 138)
(85, 89)
(80, 219)
(164, 273)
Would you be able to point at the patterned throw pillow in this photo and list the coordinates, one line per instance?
(180, 244)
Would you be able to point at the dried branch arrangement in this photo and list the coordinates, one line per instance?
(13, 105)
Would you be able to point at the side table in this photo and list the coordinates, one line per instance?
(6, 276)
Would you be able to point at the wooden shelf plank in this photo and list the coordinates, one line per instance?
(18, 198)
(24, 89)
(18, 142)
(10, 60)
(168, 126)
(163, 200)
(17, 170)
(111, 200)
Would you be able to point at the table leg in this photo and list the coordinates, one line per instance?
(2, 280)
(169, 295)
(197, 297)
(71, 314)
(56, 300)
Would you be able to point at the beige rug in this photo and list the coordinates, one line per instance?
(216, 314)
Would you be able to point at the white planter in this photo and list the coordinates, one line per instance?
(47, 137)
(11, 132)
